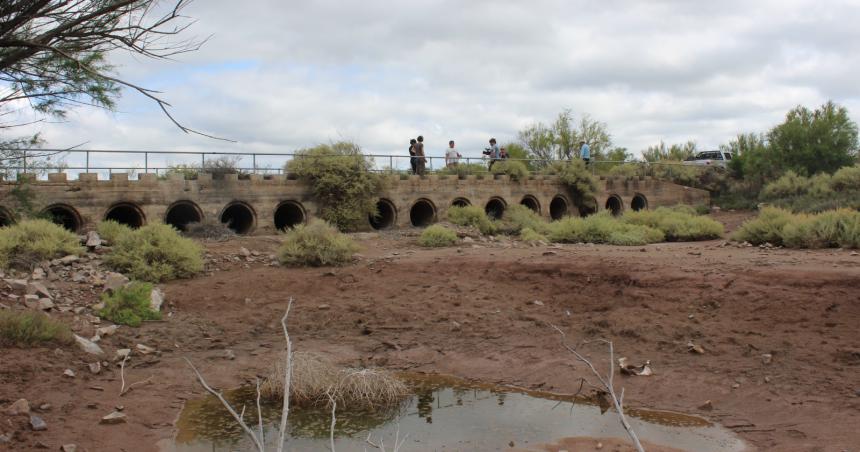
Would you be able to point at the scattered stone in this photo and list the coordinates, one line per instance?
(229, 355)
(69, 373)
(18, 285)
(45, 304)
(537, 303)
(324, 307)
(89, 346)
(31, 301)
(766, 358)
(39, 289)
(855, 253)
(45, 407)
(599, 446)
(550, 253)
(122, 354)
(695, 348)
(455, 326)
(144, 349)
(736, 386)
(69, 448)
(68, 260)
(156, 299)
(4, 439)
(767, 379)
(37, 424)
(114, 281)
(707, 406)
(95, 368)
(244, 252)
(114, 418)
(107, 330)
(38, 273)
(20, 406)
(93, 240)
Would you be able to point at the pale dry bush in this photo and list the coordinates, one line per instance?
(315, 378)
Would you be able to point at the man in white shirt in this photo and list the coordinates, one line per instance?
(452, 157)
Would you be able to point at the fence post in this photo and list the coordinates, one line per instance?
(146, 162)
(88, 162)
(202, 161)
(24, 153)
(254, 162)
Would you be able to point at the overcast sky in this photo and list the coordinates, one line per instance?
(280, 75)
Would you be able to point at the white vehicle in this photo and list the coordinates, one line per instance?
(713, 158)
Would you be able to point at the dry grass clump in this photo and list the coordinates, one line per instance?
(831, 229)
(31, 241)
(677, 224)
(315, 378)
(473, 216)
(209, 229)
(437, 236)
(27, 328)
(316, 244)
(156, 252)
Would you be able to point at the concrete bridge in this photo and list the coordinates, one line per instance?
(259, 204)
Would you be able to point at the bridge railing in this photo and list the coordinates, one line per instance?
(106, 161)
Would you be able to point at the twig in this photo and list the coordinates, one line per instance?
(257, 441)
(260, 413)
(282, 435)
(606, 382)
(333, 418)
(122, 374)
(131, 386)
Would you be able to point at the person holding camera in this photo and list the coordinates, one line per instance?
(493, 152)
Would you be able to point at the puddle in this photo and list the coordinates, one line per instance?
(446, 414)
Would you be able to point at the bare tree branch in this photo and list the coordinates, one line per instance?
(282, 434)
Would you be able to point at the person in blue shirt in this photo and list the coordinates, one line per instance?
(584, 152)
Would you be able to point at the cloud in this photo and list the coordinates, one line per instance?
(278, 76)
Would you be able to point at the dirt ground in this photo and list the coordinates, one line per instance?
(482, 311)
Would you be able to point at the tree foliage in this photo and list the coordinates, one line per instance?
(675, 152)
(560, 140)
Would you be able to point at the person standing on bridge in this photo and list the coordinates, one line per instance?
(452, 157)
(584, 152)
(413, 160)
(419, 154)
(493, 152)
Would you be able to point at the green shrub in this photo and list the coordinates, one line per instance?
(341, 181)
(711, 178)
(532, 237)
(316, 244)
(577, 177)
(111, 230)
(30, 241)
(28, 328)
(437, 236)
(677, 223)
(846, 178)
(602, 228)
(472, 216)
(188, 171)
(129, 305)
(766, 228)
(516, 170)
(821, 185)
(518, 217)
(789, 184)
(462, 170)
(624, 170)
(835, 228)
(155, 252)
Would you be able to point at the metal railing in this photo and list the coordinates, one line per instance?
(159, 162)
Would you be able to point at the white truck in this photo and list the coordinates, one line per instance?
(712, 158)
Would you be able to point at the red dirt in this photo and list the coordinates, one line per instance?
(398, 311)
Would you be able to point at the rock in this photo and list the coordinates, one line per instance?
(45, 304)
(455, 326)
(114, 281)
(69, 373)
(114, 418)
(537, 303)
(144, 350)
(4, 439)
(766, 358)
(69, 448)
(707, 406)
(695, 348)
(89, 346)
(244, 252)
(39, 289)
(324, 307)
(37, 424)
(68, 260)
(550, 253)
(45, 407)
(20, 406)
(156, 299)
(31, 301)
(78, 277)
(18, 285)
(93, 239)
(95, 368)
(122, 354)
(107, 330)
(229, 355)
(38, 274)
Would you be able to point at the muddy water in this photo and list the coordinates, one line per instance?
(447, 414)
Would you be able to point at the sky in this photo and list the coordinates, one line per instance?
(276, 76)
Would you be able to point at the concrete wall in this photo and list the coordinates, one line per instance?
(91, 200)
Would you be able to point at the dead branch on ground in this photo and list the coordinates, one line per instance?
(606, 382)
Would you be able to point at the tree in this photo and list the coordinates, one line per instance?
(560, 140)
(811, 142)
(53, 53)
(619, 155)
(675, 152)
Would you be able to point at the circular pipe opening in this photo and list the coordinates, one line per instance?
(495, 208)
(6, 217)
(127, 214)
(461, 202)
(639, 202)
(239, 217)
(614, 205)
(386, 215)
(181, 213)
(558, 208)
(422, 213)
(532, 203)
(65, 216)
(588, 207)
(288, 215)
